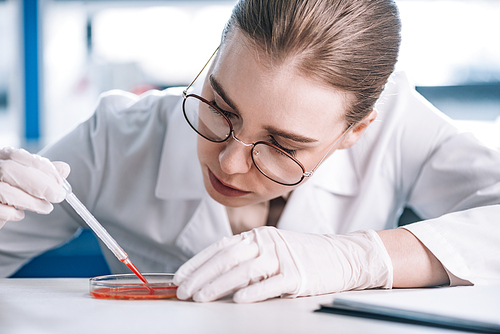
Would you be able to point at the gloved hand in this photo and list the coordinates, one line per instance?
(28, 182)
(267, 262)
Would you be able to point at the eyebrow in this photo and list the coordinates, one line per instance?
(218, 89)
(288, 135)
(276, 132)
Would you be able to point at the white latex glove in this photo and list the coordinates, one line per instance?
(267, 262)
(28, 182)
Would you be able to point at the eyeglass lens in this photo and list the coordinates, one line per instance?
(271, 161)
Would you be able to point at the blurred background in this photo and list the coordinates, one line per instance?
(57, 57)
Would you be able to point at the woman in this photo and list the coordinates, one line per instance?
(286, 113)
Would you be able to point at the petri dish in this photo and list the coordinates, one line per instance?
(129, 286)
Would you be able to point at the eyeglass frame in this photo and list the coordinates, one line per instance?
(305, 174)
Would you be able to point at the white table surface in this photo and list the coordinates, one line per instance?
(64, 305)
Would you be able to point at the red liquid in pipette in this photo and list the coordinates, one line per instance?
(135, 270)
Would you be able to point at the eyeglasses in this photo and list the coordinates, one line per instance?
(214, 124)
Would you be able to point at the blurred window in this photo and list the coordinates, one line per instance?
(168, 43)
(451, 51)
(450, 42)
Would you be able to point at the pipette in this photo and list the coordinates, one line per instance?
(99, 230)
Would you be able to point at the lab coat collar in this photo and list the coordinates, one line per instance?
(208, 224)
(337, 174)
(179, 174)
(309, 207)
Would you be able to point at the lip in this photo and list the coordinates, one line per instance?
(224, 189)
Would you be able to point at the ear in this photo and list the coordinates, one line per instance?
(357, 131)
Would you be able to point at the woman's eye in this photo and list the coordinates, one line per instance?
(287, 150)
(219, 110)
(215, 111)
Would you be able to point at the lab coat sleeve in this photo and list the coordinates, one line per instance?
(453, 181)
(467, 243)
(85, 149)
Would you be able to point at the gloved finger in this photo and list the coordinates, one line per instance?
(272, 287)
(216, 266)
(187, 269)
(238, 277)
(27, 159)
(31, 180)
(5, 152)
(8, 213)
(62, 168)
(16, 198)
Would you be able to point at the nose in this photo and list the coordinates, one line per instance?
(235, 157)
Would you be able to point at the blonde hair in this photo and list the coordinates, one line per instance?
(351, 45)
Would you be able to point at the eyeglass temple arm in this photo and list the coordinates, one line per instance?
(184, 93)
(309, 174)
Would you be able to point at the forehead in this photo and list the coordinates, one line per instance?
(275, 94)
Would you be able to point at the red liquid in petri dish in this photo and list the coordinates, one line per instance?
(136, 292)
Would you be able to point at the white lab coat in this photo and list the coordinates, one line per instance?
(134, 165)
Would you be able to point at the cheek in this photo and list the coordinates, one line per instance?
(207, 151)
